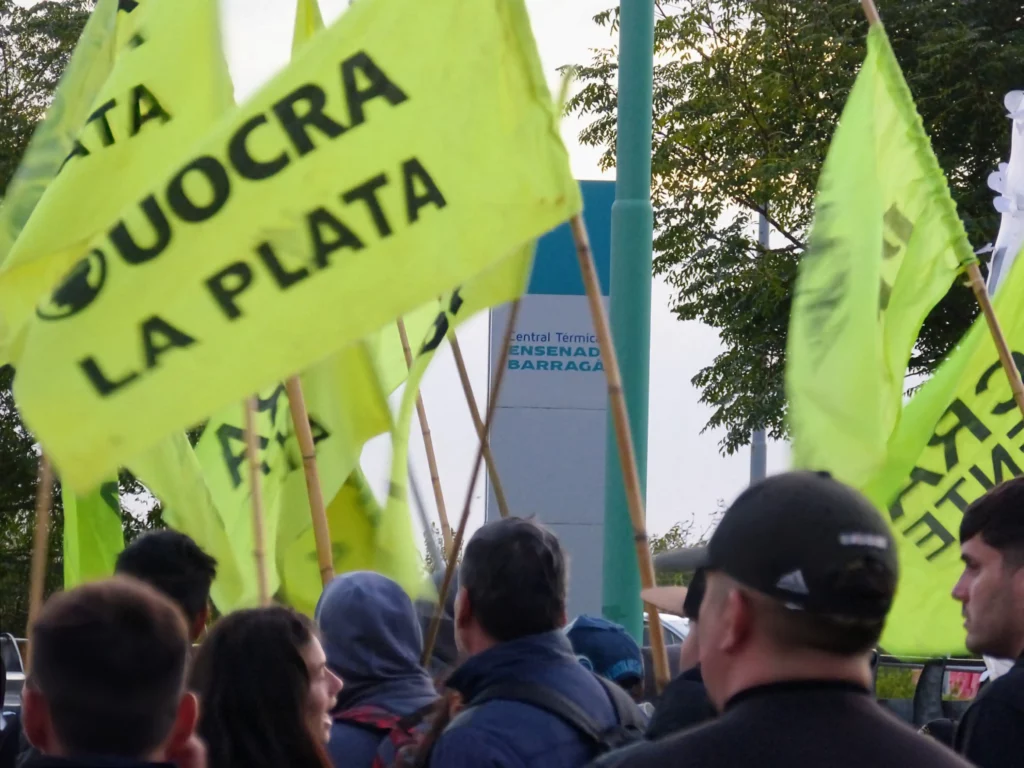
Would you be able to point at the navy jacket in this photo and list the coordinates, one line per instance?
(372, 639)
(509, 734)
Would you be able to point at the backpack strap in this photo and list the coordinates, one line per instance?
(544, 698)
(369, 717)
(629, 715)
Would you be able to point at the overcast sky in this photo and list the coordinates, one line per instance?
(686, 474)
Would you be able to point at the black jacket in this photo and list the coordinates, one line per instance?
(41, 761)
(991, 733)
(683, 704)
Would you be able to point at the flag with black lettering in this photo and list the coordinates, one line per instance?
(167, 85)
(87, 71)
(960, 436)
(885, 247)
(406, 149)
(93, 535)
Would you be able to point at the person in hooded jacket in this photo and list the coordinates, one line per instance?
(372, 638)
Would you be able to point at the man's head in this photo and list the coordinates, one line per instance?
(175, 565)
(512, 583)
(991, 587)
(685, 602)
(108, 675)
(610, 651)
(801, 574)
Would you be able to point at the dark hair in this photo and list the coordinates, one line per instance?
(514, 575)
(253, 685)
(175, 565)
(109, 658)
(999, 517)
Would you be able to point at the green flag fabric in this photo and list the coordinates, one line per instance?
(885, 246)
(960, 436)
(93, 536)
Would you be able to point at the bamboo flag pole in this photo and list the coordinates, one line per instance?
(321, 531)
(428, 445)
(624, 439)
(453, 555)
(474, 412)
(252, 455)
(40, 540)
(977, 283)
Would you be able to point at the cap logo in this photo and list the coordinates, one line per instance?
(872, 540)
(793, 582)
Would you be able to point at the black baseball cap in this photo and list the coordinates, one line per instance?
(810, 542)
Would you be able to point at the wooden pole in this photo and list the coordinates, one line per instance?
(478, 424)
(428, 445)
(321, 531)
(870, 11)
(977, 283)
(436, 556)
(624, 440)
(453, 556)
(40, 541)
(1005, 355)
(252, 455)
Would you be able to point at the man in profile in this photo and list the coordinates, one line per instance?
(107, 681)
(174, 564)
(801, 573)
(991, 589)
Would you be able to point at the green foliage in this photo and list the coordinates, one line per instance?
(682, 534)
(35, 46)
(895, 683)
(747, 94)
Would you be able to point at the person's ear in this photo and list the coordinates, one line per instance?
(184, 748)
(199, 625)
(36, 721)
(563, 619)
(463, 610)
(185, 723)
(737, 621)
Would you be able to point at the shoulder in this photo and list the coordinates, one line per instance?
(350, 741)
(1008, 689)
(464, 743)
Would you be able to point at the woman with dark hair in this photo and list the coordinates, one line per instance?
(265, 691)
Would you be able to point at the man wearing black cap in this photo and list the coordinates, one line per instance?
(801, 573)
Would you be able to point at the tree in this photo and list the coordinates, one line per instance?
(683, 534)
(35, 45)
(747, 94)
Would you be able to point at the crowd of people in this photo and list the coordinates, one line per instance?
(786, 607)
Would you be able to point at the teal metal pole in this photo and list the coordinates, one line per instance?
(631, 241)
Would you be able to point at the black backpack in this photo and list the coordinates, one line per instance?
(628, 730)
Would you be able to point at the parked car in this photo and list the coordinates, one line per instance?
(673, 628)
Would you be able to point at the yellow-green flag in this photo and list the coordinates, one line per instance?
(885, 247)
(397, 555)
(409, 147)
(86, 73)
(165, 89)
(959, 436)
(308, 22)
(172, 473)
(352, 517)
(93, 536)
